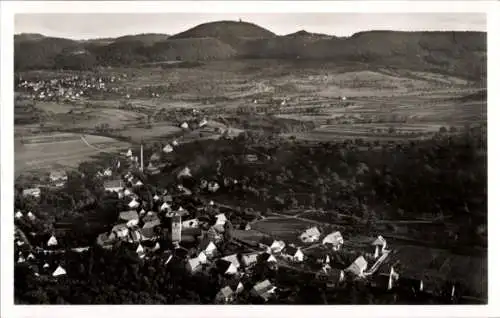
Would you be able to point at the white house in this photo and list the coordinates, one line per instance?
(19, 214)
(129, 153)
(213, 186)
(193, 264)
(334, 239)
(226, 267)
(168, 149)
(132, 223)
(239, 288)
(209, 248)
(20, 259)
(164, 206)
(52, 241)
(264, 289)
(184, 125)
(249, 260)
(310, 235)
(358, 267)
(139, 183)
(220, 219)
(33, 192)
(113, 185)
(175, 143)
(394, 276)
(202, 257)
(191, 224)
(225, 295)
(202, 123)
(381, 242)
(31, 256)
(233, 259)
(31, 216)
(140, 251)
(156, 247)
(277, 246)
(293, 254)
(156, 197)
(120, 230)
(133, 204)
(186, 172)
(59, 271)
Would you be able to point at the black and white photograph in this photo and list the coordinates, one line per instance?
(248, 158)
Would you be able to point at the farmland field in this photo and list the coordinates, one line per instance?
(157, 130)
(437, 264)
(286, 229)
(47, 151)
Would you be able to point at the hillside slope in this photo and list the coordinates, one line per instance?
(456, 53)
(461, 53)
(145, 38)
(229, 32)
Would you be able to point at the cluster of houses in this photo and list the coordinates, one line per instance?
(56, 179)
(78, 87)
(68, 88)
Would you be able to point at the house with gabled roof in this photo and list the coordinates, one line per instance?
(168, 148)
(135, 236)
(113, 185)
(128, 215)
(250, 259)
(52, 241)
(191, 224)
(193, 264)
(380, 245)
(335, 240)
(293, 254)
(32, 192)
(310, 235)
(60, 271)
(208, 247)
(120, 230)
(134, 204)
(267, 258)
(202, 257)
(264, 290)
(31, 216)
(225, 295)
(148, 230)
(233, 258)
(140, 251)
(358, 267)
(225, 267)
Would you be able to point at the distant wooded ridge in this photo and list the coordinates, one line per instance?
(460, 53)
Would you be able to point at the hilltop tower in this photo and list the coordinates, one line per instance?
(176, 228)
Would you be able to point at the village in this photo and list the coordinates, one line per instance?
(183, 228)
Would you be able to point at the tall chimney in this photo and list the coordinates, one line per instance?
(142, 158)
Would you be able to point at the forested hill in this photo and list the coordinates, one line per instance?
(457, 53)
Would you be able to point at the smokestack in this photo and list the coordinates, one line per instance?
(142, 158)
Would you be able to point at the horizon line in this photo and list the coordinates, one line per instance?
(46, 35)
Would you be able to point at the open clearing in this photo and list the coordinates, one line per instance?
(287, 229)
(156, 131)
(48, 151)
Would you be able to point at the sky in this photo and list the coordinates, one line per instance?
(88, 26)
